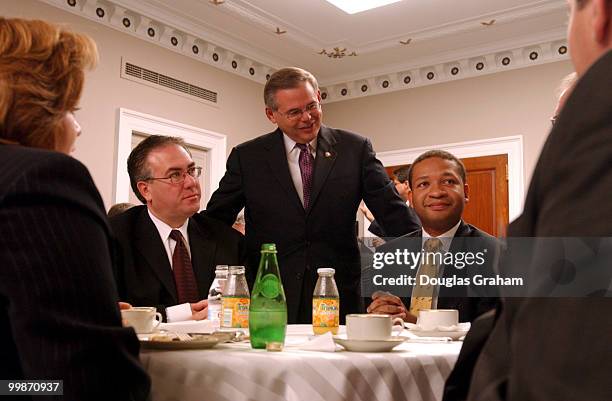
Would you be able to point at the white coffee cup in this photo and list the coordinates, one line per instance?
(430, 319)
(372, 326)
(144, 319)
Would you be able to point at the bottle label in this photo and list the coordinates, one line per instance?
(325, 312)
(235, 312)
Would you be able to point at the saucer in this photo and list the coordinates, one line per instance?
(454, 335)
(370, 345)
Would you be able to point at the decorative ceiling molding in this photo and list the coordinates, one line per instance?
(170, 37)
(154, 23)
(430, 74)
(266, 21)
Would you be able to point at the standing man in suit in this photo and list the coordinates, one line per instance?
(168, 254)
(559, 348)
(439, 194)
(301, 186)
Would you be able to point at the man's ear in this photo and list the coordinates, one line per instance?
(270, 115)
(466, 191)
(143, 188)
(601, 10)
(410, 198)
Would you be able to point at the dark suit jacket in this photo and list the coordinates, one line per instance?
(554, 348)
(469, 307)
(377, 230)
(346, 171)
(58, 303)
(144, 274)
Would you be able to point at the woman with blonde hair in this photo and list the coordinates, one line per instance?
(58, 303)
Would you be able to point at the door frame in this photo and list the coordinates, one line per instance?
(508, 145)
(130, 121)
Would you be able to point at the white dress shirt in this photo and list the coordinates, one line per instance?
(164, 233)
(293, 158)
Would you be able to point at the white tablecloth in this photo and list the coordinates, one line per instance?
(235, 372)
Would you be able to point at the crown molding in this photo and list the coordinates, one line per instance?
(186, 39)
(199, 41)
(474, 63)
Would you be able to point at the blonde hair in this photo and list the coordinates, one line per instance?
(41, 79)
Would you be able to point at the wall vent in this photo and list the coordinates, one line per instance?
(136, 73)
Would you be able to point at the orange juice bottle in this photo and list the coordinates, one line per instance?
(325, 303)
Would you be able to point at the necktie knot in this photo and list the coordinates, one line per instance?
(176, 235)
(432, 245)
(302, 146)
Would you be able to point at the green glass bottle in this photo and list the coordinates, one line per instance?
(268, 309)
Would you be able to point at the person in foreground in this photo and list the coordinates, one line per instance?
(301, 186)
(168, 253)
(559, 348)
(59, 317)
(439, 195)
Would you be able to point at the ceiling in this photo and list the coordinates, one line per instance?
(384, 43)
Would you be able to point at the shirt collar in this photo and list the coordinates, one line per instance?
(164, 229)
(290, 144)
(446, 237)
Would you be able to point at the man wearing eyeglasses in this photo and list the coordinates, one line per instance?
(168, 252)
(301, 186)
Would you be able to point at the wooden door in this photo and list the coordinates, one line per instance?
(487, 179)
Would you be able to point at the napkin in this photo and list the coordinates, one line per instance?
(189, 326)
(323, 343)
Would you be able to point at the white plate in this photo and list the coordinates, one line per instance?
(370, 345)
(199, 341)
(455, 335)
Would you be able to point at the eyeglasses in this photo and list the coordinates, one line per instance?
(178, 177)
(294, 114)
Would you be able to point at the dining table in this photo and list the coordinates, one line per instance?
(414, 370)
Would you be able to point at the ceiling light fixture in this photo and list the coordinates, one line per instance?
(354, 7)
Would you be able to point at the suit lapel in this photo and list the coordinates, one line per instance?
(326, 157)
(152, 249)
(203, 250)
(277, 160)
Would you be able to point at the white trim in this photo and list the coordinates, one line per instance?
(130, 121)
(509, 145)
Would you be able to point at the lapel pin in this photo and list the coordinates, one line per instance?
(327, 154)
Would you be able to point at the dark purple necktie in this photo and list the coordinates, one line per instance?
(306, 167)
(186, 287)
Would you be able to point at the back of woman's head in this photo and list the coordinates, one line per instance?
(41, 78)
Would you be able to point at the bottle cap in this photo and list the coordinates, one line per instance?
(221, 267)
(326, 270)
(268, 247)
(236, 269)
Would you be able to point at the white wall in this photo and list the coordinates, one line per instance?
(240, 114)
(509, 103)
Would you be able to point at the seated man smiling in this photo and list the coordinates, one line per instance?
(439, 194)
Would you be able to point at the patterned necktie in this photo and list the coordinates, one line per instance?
(426, 296)
(306, 167)
(186, 287)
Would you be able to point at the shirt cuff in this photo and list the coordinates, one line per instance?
(178, 313)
